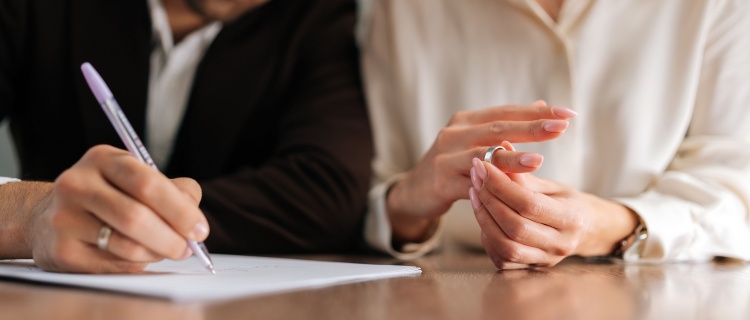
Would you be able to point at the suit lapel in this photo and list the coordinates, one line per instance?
(228, 83)
(115, 36)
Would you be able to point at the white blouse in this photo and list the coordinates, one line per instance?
(661, 88)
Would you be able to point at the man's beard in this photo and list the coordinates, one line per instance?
(196, 7)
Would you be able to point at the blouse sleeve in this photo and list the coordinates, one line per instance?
(699, 208)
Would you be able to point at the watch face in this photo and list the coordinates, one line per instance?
(633, 252)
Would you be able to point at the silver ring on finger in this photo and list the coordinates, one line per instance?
(490, 151)
(102, 241)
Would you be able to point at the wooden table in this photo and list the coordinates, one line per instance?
(454, 285)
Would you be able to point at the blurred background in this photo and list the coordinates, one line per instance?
(8, 165)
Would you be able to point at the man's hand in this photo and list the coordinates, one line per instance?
(150, 216)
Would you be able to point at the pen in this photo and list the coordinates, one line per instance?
(132, 142)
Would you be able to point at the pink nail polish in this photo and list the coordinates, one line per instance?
(555, 126)
(474, 179)
(480, 169)
(531, 160)
(474, 197)
(564, 112)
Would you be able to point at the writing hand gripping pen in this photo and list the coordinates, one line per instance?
(132, 142)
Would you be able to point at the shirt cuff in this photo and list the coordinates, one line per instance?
(670, 229)
(378, 232)
(4, 180)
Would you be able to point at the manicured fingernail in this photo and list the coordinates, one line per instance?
(474, 197)
(481, 171)
(474, 179)
(188, 252)
(564, 112)
(200, 231)
(555, 126)
(539, 102)
(531, 160)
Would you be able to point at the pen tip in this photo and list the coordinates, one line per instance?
(213, 271)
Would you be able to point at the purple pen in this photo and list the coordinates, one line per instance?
(132, 142)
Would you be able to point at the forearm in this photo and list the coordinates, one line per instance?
(21, 203)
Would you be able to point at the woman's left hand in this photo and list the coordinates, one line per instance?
(528, 221)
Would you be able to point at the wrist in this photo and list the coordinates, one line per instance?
(631, 246)
(613, 222)
(22, 203)
(406, 226)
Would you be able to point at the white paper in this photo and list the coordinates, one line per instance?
(236, 276)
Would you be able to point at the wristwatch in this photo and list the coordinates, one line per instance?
(631, 247)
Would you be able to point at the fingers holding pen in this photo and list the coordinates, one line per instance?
(66, 237)
(137, 201)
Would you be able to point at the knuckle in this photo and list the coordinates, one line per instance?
(518, 232)
(445, 136)
(529, 209)
(145, 186)
(512, 253)
(494, 207)
(484, 222)
(578, 223)
(457, 118)
(536, 130)
(97, 153)
(497, 127)
(565, 248)
(69, 183)
(189, 187)
(440, 160)
(496, 260)
(132, 218)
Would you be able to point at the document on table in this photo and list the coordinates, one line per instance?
(237, 276)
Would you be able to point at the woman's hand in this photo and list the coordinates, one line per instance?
(150, 216)
(441, 177)
(528, 221)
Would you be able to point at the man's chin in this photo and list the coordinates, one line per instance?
(222, 10)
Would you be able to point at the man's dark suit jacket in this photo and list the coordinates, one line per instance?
(275, 131)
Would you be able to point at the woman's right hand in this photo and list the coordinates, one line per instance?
(442, 175)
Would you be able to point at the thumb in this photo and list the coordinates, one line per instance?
(190, 187)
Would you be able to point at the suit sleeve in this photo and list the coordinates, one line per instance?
(11, 33)
(311, 195)
(700, 207)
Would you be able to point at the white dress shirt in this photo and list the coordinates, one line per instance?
(661, 88)
(173, 68)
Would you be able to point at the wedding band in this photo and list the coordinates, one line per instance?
(103, 239)
(491, 151)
